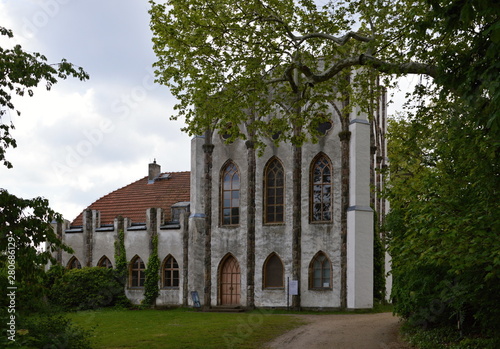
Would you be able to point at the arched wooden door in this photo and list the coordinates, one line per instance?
(229, 282)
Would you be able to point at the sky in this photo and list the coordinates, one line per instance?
(83, 140)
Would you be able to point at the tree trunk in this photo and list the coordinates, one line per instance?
(383, 164)
(59, 231)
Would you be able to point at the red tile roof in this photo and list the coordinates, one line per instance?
(133, 200)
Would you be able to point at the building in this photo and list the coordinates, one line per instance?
(237, 228)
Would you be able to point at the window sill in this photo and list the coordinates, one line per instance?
(321, 289)
(273, 288)
(170, 288)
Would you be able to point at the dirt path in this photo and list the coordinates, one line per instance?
(356, 331)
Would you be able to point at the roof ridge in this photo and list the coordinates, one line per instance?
(176, 172)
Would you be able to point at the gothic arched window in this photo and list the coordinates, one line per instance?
(230, 196)
(104, 262)
(170, 270)
(273, 272)
(274, 192)
(320, 272)
(321, 189)
(136, 272)
(74, 263)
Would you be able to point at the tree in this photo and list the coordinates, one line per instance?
(466, 49)
(236, 53)
(20, 73)
(220, 58)
(25, 224)
(444, 217)
(240, 51)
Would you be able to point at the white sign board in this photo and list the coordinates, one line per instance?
(293, 287)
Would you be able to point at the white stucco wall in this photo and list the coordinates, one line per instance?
(316, 237)
(359, 218)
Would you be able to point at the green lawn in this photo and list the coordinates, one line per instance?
(182, 328)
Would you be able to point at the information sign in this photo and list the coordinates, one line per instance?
(293, 287)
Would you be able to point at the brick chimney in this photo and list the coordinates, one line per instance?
(154, 171)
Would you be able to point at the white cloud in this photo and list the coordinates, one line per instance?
(82, 140)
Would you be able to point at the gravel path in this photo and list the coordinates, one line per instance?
(356, 331)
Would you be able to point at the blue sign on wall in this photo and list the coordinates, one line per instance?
(196, 299)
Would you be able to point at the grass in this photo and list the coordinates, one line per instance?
(182, 328)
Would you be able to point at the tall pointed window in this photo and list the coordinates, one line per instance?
(321, 189)
(170, 272)
(136, 275)
(230, 195)
(320, 272)
(273, 272)
(274, 192)
(104, 262)
(74, 263)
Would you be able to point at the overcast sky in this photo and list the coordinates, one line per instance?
(82, 140)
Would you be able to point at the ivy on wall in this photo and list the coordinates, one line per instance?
(121, 264)
(151, 289)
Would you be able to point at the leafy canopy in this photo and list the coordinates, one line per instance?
(444, 220)
(20, 73)
(219, 57)
(25, 224)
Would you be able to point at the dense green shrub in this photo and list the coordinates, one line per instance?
(86, 288)
(47, 331)
(446, 338)
(29, 292)
(378, 263)
(444, 220)
(418, 296)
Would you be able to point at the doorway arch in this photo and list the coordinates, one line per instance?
(229, 281)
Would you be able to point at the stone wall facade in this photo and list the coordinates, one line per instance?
(100, 241)
(203, 246)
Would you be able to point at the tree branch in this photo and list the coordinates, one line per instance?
(398, 68)
(366, 60)
(289, 77)
(338, 40)
(300, 39)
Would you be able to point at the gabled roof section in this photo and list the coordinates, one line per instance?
(133, 200)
